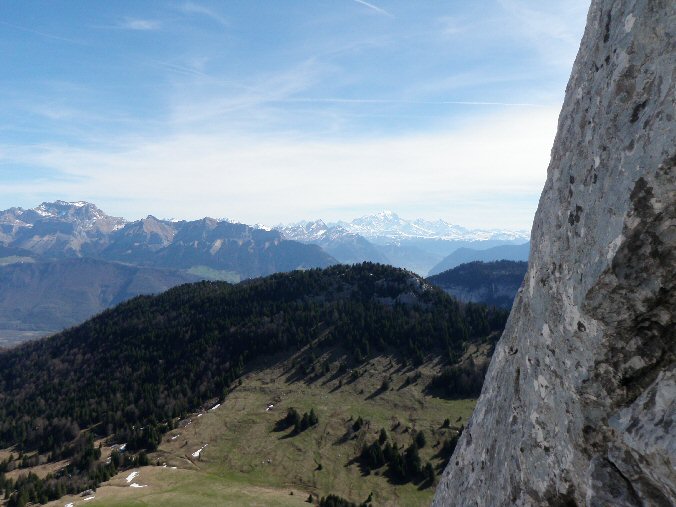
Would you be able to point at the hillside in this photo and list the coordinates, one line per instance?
(247, 460)
(491, 283)
(131, 373)
(496, 253)
(50, 296)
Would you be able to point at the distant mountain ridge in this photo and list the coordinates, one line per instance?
(417, 245)
(388, 224)
(492, 283)
(215, 249)
(50, 296)
(63, 262)
(497, 253)
(347, 247)
(62, 230)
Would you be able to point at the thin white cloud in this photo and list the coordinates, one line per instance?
(412, 102)
(374, 8)
(494, 160)
(43, 34)
(195, 8)
(451, 26)
(139, 24)
(548, 26)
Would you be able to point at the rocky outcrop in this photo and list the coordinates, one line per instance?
(578, 404)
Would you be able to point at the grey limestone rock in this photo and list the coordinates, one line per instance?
(578, 405)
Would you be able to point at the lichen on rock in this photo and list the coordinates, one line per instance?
(579, 402)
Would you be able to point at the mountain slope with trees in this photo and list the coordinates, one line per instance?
(491, 283)
(130, 373)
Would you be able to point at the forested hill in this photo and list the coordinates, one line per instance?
(492, 283)
(152, 359)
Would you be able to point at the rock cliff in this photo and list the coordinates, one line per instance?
(578, 404)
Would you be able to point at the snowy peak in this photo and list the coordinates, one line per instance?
(309, 232)
(388, 224)
(83, 214)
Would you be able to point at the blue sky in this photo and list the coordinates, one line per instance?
(276, 111)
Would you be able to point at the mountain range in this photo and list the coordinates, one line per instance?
(111, 259)
(391, 226)
(151, 255)
(417, 245)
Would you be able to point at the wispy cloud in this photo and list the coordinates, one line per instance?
(412, 102)
(548, 26)
(42, 34)
(498, 160)
(195, 8)
(139, 24)
(375, 8)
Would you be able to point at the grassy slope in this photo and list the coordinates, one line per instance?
(234, 468)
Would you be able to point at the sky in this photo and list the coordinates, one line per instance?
(283, 110)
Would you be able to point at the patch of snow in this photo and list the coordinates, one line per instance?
(69, 505)
(40, 210)
(121, 447)
(89, 498)
(132, 475)
(197, 453)
(134, 485)
(269, 408)
(215, 406)
(175, 437)
(200, 415)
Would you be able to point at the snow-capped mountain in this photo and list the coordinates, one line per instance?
(388, 224)
(386, 237)
(59, 229)
(310, 232)
(347, 247)
(62, 230)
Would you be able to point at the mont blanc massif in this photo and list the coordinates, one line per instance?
(374, 362)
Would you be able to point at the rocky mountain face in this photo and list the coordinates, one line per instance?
(578, 403)
(59, 229)
(63, 230)
(492, 283)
